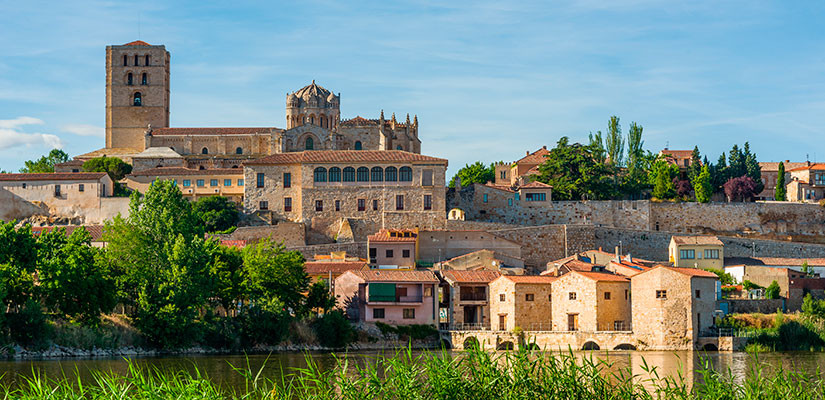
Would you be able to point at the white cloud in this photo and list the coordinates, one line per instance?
(12, 136)
(84, 130)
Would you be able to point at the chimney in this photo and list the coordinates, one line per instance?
(787, 161)
(527, 152)
(544, 147)
(618, 256)
(629, 258)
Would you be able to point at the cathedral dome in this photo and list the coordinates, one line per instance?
(313, 91)
(331, 98)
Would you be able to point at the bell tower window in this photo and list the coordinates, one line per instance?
(309, 144)
(146, 60)
(144, 80)
(239, 151)
(136, 60)
(137, 100)
(204, 151)
(358, 145)
(129, 79)
(125, 60)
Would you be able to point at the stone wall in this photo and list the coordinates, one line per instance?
(357, 249)
(291, 233)
(747, 306)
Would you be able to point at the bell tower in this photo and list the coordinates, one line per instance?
(137, 93)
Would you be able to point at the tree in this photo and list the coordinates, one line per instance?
(682, 187)
(752, 168)
(806, 269)
(319, 297)
(45, 163)
(614, 143)
(736, 163)
(635, 179)
(597, 147)
(275, 277)
(72, 278)
(740, 189)
(724, 277)
(18, 262)
(695, 164)
(719, 173)
(575, 173)
(772, 291)
(216, 212)
(702, 187)
(227, 275)
(779, 193)
(474, 173)
(663, 184)
(115, 167)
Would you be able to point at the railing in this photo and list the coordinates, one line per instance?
(539, 326)
(470, 327)
(473, 296)
(394, 299)
(617, 327)
(726, 332)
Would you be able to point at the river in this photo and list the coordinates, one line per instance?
(220, 367)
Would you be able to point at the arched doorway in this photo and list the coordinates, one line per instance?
(506, 346)
(471, 343)
(591, 346)
(625, 346)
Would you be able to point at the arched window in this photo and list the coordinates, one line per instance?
(391, 174)
(311, 119)
(405, 174)
(335, 174)
(399, 147)
(136, 59)
(349, 174)
(144, 80)
(239, 151)
(137, 100)
(363, 174)
(146, 60)
(377, 174)
(125, 60)
(129, 79)
(320, 174)
(202, 167)
(358, 145)
(309, 144)
(204, 151)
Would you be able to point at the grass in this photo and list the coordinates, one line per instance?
(468, 375)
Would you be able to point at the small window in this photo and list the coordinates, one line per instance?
(509, 202)
(201, 183)
(144, 79)
(377, 174)
(320, 174)
(535, 197)
(335, 174)
(550, 298)
(405, 253)
(607, 295)
(428, 291)
(129, 80)
(358, 145)
(136, 60)
(227, 182)
(240, 182)
(309, 144)
(528, 297)
(319, 205)
(502, 297)
(571, 296)
(503, 175)
(260, 178)
(389, 253)
(687, 254)
(661, 294)
(187, 183)
(24, 185)
(213, 182)
(81, 187)
(263, 205)
(125, 60)
(287, 180)
(391, 174)
(485, 197)
(378, 313)
(712, 253)
(337, 205)
(204, 151)
(399, 202)
(428, 202)
(363, 174)
(239, 150)
(287, 204)
(698, 294)
(399, 147)
(409, 313)
(626, 294)
(146, 60)
(362, 204)
(375, 205)
(137, 99)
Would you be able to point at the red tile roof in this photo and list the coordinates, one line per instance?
(174, 171)
(536, 185)
(539, 279)
(395, 276)
(137, 43)
(55, 176)
(234, 243)
(602, 276)
(384, 235)
(336, 267)
(774, 166)
(210, 131)
(699, 273)
(678, 154)
(812, 167)
(95, 230)
(499, 187)
(794, 262)
(536, 157)
(470, 276)
(697, 240)
(344, 156)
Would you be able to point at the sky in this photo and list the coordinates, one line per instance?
(488, 80)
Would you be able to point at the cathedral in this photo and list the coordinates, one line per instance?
(138, 131)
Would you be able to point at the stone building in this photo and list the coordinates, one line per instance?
(393, 248)
(484, 260)
(591, 302)
(787, 273)
(80, 197)
(193, 183)
(467, 295)
(697, 252)
(521, 301)
(522, 171)
(367, 188)
(673, 306)
(391, 297)
(806, 183)
(440, 245)
(770, 174)
(327, 270)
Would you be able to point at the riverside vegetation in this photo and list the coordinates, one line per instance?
(474, 374)
(783, 332)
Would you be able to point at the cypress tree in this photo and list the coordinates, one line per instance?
(780, 183)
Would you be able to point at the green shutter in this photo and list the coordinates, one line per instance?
(382, 291)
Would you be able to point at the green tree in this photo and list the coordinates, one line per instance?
(18, 263)
(275, 277)
(45, 163)
(752, 168)
(333, 330)
(719, 173)
(724, 277)
(614, 143)
(695, 164)
(227, 274)
(736, 163)
(702, 187)
(597, 147)
(115, 167)
(772, 291)
(475, 173)
(319, 297)
(780, 183)
(216, 212)
(72, 278)
(575, 173)
(663, 185)
(806, 269)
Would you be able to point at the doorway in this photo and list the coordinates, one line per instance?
(572, 322)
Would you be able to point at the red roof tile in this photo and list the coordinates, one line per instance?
(210, 131)
(359, 121)
(341, 156)
(539, 279)
(137, 43)
(499, 187)
(697, 240)
(458, 276)
(774, 166)
(536, 157)
(678, 154)
(234, 243)
(812, 167)
(174, 171)
(395, 276)
(95, 230)
(602, 276)
(336, 267)
(395, 235)
(536, 185)
(55, 176)
(700, 273)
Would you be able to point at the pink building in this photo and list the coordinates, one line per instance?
(388, 296)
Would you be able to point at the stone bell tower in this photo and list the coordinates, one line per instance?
(137, 93)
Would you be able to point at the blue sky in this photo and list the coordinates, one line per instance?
(488, 80)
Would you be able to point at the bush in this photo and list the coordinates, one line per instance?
(333, 330)
(772, 292)
(28, 327)
(221, 332)
(262, 327)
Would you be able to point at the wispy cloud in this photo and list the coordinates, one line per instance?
(84, 130)
(11, 134)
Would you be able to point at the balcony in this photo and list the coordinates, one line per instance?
(472, 296)
(394, 299)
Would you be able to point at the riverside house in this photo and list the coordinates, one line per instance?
(591, 302)
(388, 296)
(697, 252)
(521, 301)
(466, 298)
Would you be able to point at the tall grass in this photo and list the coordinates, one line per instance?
(474, 374)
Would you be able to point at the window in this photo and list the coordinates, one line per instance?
(501, 297)
(227, 182)
(399, 147)
(405, 253)
(571, 296)
(712, 253)
(129, 79)
(661, 294)
(287, 204)
(405, 174)
(335, 174)
(146, 60)
(144, 79)
(337, 205)
(349, 174)
(626, 294)
(389, 253)
(428, 291)
(24, 185)
(687, 254)
(204, 150)
(535, 197)
(187, 183)
(485, 197)
(503, 175)
(528, 297)
(375, 205)
(125, 60)
(213, 182)
(509, 202)
(378, 313)
(263, 205)
(358, 145)
(240, 182)
(201, 183)
(399, 202)
(239, 150)
(377, 174)
(363, 174)
(260, 178)
(319, 205)
(517, 196)
(362, 204)
(607, 295)
(309, 144)
(287, 179)
(136, 60)
(81, 187)
(137, 99)
(320, 174)
(550, 298)
(698, 294)
(428, 202)
(427, 177)
(391, 174)
(409, 313)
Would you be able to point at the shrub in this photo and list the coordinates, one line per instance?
(28, 326)
(416, 332)
(772, 292)
(260, 326)
(333, 330)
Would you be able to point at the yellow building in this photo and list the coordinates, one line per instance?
(193, 183)
(696, 252)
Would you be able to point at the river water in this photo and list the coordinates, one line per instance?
(220, 368)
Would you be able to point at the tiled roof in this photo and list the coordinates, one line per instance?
(795, 262)
(210, 131)
(336, 267)
(697, 240)
(395, 276)
(700, 273)
(234, 243)
(384, 236)
(137, 43)
(470, 276)
(110, 152)
(540, 279)
(536, 157)
(313, 89)
(344, 156)
(536, 185)
(774, 166)
(812, 167)
(602, 276)
(54, 176)
(176, 171)
(499, 187)
(359, 121)
(679, 154)
(577, 265)
(95, 230)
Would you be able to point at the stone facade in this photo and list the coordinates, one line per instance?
(440, 245)
(521, 301)
(393, 249)
(193, 183)
(591, 301)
